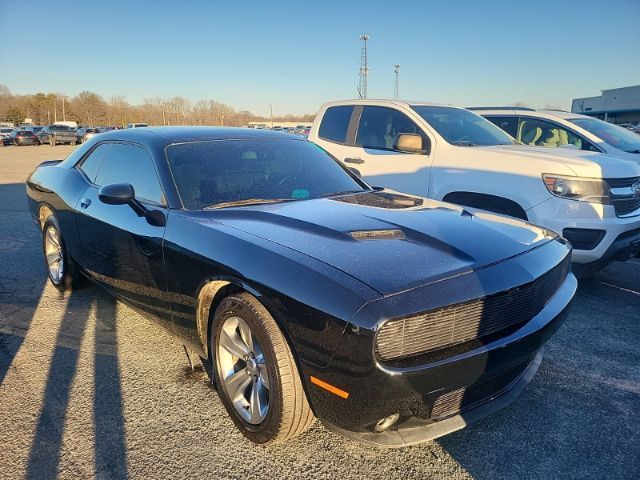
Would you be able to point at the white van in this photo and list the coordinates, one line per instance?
(452, 154)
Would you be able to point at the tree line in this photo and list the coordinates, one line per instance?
(90, 109)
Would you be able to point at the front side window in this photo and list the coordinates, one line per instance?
(92, 163)
(125, 163)
(461, 127)
(335, 123)
(541, 133)
(379, 127)
(614, 135)
(210, 173)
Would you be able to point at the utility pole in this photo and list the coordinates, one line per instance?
(271, 115)
(396, 70)
(64, 118)
(55, 110)
(364, 67)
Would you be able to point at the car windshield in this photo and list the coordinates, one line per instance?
(614, 135)
(252, 171)
(461, 127)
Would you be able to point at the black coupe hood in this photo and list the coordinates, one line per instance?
(388, 241)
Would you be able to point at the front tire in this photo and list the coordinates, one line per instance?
(256, 375)
(61, 268)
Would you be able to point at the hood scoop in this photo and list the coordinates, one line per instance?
(390, 234)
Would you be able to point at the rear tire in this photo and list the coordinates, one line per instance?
(62, 270)
(255, 373)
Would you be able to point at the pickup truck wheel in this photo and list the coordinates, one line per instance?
(61, 268)
(255, 373)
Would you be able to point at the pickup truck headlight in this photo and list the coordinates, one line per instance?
(577, 188)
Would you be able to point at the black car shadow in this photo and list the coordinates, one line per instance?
(22, 286)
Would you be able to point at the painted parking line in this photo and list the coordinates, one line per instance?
(619, 288)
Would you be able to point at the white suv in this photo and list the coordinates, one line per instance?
(451, 154)
(555, 128)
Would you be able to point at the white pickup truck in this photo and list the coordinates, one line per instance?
(451, 154)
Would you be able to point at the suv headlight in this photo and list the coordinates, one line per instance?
(576, 188)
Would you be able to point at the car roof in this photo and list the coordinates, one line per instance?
(387, 102)
(192, 134)
(542, 113)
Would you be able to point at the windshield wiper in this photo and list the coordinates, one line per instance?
(633, 151)
(247, 201)
(464, 143)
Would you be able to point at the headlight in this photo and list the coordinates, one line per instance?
(577, 188)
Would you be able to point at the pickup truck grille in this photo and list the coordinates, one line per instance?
(624, 197)
(454, 325)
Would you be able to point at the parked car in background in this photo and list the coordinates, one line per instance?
(634, 127)
(393, 318)
(137, 125)
(555, 128)
(452, 154)
(85, 133)
(5, 133)
(34, 128)
(58, 134)
(23, 137)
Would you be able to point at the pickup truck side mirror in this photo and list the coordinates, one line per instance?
(408, 143)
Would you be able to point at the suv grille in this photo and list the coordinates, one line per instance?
(470, 321)
(624, 205)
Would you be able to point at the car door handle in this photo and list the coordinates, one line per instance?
(353, 160)
(85, 202)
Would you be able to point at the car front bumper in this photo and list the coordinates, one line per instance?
(440, 395)
(556, 214)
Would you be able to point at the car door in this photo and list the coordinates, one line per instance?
(122, 250)
(370, 149)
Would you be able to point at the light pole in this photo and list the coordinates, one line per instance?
(396, 70)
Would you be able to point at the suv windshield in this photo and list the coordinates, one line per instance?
(251, 171)
(614, 135)
(462, 127)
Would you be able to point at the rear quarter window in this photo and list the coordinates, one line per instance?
(335, 123)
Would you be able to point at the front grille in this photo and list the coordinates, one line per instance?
(483, 318)
(456, 401)
(623, 205)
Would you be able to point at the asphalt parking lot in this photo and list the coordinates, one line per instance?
(88, 387)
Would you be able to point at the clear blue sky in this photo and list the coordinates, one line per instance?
(296, 55)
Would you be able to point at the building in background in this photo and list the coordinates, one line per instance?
(618, 105)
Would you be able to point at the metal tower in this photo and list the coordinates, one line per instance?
(364, 67)
(396, 70)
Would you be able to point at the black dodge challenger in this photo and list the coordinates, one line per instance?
(392, 318)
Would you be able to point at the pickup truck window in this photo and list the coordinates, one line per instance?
(335, 123)
(508, 124)
(461, 127)
(379, 126)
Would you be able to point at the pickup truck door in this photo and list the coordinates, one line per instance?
(122, 250)
(369, 149)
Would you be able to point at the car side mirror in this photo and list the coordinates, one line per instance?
(408, 143)
(117, 194)
(121, 194)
